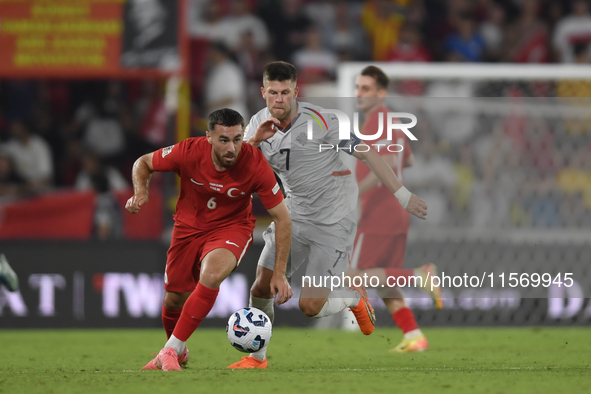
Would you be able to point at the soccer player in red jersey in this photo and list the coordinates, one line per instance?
(383, 226)
(213, 223)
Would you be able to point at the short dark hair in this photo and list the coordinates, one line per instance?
(376, 73)
(224, 117)
(280, 71)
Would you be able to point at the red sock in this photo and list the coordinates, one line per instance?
(196, 308)
(405, 319)
(401, 272)
(169, 319)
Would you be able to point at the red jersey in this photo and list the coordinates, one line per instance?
(381, 213)
(211, 199)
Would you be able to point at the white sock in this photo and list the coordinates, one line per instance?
(264, 304)
(337, 301)
(176, 344)
(413, 334)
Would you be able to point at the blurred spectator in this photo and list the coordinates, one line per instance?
(574, 29)
(382, 20)
(252, 61)
(345, 36)
(432, 177)
(416, 13)
(289, 22)
(107, 215)
(226, 85)
(11, 184)
(70, 164)
(465, 170)
(492, 31)
(467, 45)
(21, 96)
(43, 124)
(99, 121)
(104, 136)
(527, 37)
(31, 156)
(441, 21)
(577, 93)
(206, 21)
(451, 125)
(575, 177)
(410, 48)
(242, 21)
(553, 14)
(322, 13)
(92, 168)
(315, 63)
(151, 114)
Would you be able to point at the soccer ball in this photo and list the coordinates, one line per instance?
(249, 330)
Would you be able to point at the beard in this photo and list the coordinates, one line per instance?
(222, 159)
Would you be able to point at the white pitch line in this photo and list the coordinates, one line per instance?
(405, 369)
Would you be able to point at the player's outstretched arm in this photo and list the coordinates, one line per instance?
(382, 170)
(371, 180)
(279, 284)
(140, 175)
(266, 130)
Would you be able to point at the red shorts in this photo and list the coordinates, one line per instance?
(188, 248)
(379, 250)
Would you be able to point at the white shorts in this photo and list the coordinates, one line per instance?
(325, 248)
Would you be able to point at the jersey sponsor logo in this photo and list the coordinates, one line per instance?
(167, 150)
(195, 182)
(231, 190)
(276, 188)
(232, 243)
(216, 186)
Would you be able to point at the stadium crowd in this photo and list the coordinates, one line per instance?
(87, 134)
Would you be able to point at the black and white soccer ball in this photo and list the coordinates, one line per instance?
(249, 330)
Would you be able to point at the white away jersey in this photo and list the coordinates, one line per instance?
(319, 186)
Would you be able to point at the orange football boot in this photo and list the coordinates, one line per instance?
(364, 312)
(248, 363)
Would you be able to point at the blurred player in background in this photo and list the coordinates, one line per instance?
(321, 194)
(7, 275)
(384, 224)
(213, 224)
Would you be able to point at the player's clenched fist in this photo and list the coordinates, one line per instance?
(280, 287)
(134, 204)
(417, 207)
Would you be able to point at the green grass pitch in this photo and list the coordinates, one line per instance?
(459, 360)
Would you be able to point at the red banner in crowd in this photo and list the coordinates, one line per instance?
(70, 215)
(90, 38)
